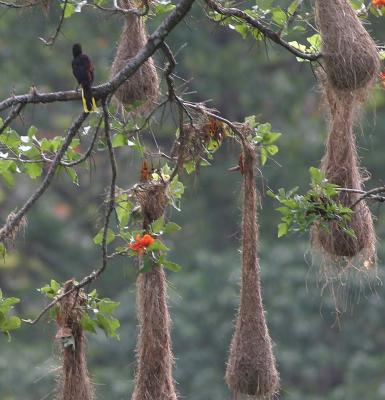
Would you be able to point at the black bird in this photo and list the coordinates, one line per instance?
(83, 71)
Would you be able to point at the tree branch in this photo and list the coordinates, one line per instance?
(153, 43)
(261, 27)
(15, 220)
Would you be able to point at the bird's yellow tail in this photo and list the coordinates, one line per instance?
(94, 108)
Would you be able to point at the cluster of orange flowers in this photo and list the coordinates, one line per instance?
(141, 243)
(378, 3)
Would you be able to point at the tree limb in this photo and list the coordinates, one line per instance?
(153, 43)
(261, 27)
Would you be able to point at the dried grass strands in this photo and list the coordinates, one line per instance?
(154, 379)
(340, 165)
(143, 86)
(251, 366)
(350, 55)
(73, 381)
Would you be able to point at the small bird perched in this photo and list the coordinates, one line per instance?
(83, 71)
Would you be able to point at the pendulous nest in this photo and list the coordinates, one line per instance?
(351, 64)
(154, 350)
(73, 382)
(143, 85)
(251, 368)
(350, 56)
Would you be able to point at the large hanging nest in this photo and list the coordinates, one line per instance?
(340, 165)
(351, 64)
(143, 86)
(155, 360)
(251, 366)
(350, 55)
(73, 380)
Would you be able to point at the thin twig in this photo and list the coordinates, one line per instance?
(370, 193)
(53, 38)
(111, 200)
(13, 114)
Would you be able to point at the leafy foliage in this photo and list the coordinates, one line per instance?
(8, 322)
(300, 212)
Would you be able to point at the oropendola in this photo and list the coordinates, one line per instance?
(83, 71)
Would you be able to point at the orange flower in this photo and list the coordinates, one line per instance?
(141, 243)
(378, 3)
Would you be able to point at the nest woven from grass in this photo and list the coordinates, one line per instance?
(73, 381)
(251, 368)
(340, 165)
(143, 85)
(154, 351)
(350, 55)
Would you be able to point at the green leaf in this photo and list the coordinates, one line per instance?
(107, 306)
(108, 325)
(171, 227)
(73, 175)
(158, 225)
(34, 170)
(315, 41)
(32, 131)
(263, 154)
(123, 210)
(163, 6)
(10, 324)
(282, 229)
(171, 266)
(119, 140)
(148, 263)
(157, 246)
(69, 10)
(88, 323)
(279, 16)
(98, 239)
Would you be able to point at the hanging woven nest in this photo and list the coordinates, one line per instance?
(154, 351)
(351, 64)
(251, 368)
(350, 56)
(73, 382)
(340, 165)
(143, 85)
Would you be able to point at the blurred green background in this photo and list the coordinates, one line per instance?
(317, 357)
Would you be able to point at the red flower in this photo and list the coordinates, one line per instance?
(378, 3)
(141, 243)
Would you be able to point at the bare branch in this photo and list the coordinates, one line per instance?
(111, 200)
